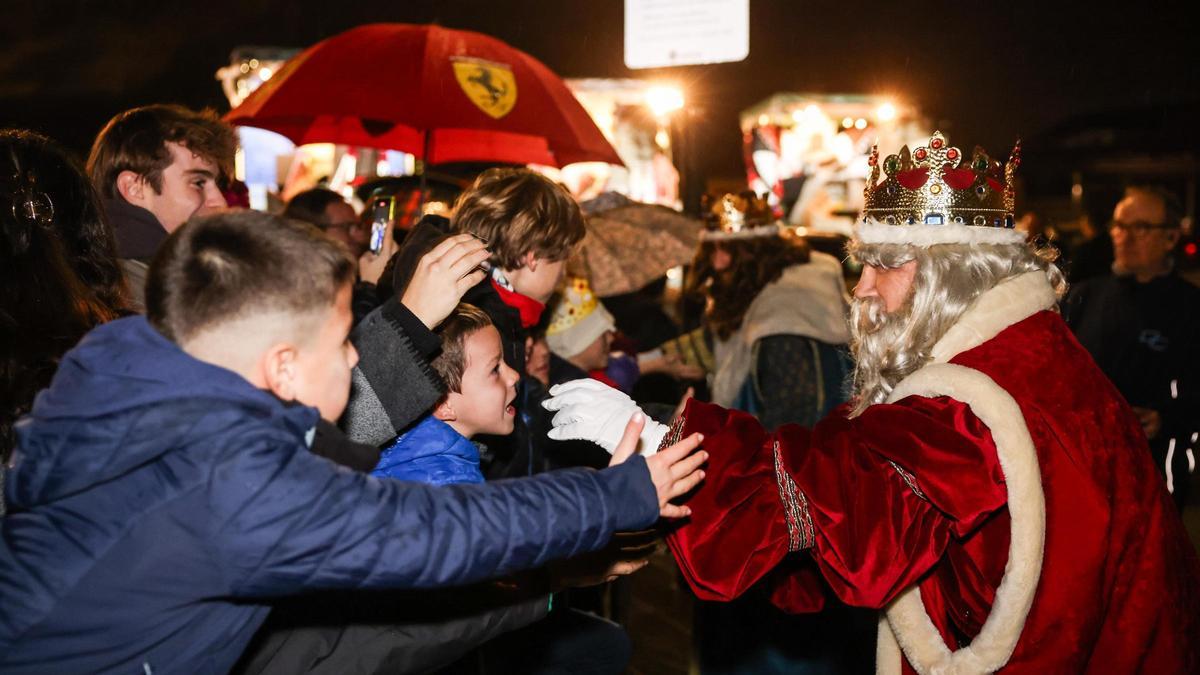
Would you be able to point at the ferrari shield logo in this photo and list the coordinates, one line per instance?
(490, 86)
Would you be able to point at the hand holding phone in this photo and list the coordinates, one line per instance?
(383, 215)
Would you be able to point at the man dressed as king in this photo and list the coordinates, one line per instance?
(986, 487)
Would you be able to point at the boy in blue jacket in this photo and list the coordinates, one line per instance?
(162, 488)
(480, 388)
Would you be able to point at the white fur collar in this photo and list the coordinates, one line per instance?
(1009, 302)
(907, 625)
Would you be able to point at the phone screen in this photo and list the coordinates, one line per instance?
(381, 214)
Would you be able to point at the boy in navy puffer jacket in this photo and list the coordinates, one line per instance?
(162, 489)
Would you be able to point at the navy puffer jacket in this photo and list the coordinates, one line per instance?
(157, 500)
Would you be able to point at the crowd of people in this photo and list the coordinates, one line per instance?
(247, 442)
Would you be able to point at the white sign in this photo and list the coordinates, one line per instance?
(685, 32)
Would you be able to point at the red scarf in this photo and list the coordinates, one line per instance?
(530, 309)
(600, 376)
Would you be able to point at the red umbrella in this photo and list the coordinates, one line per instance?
(443, 95)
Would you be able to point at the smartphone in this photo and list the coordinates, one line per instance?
(383, 210)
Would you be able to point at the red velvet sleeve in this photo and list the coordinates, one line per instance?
(874, 500)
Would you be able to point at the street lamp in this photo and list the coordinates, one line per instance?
(664, 100)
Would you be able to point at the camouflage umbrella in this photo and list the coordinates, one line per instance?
(630, 246)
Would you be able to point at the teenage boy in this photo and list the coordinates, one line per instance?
(155, 167)
(163, 488)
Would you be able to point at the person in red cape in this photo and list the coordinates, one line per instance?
(986, 487)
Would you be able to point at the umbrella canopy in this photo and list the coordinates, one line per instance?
(440, 94)
(628, 247)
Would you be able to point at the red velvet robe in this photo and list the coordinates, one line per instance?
(913, 493)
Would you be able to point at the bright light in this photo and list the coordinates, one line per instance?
(239, 164)
(662, 139)
(812, 110)
(797, 116)
(265, 73)
(764, 119)
(886, 112)
(847, 122)
(664, 100)
(860, 123)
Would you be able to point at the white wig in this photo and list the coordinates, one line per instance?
(949, 277)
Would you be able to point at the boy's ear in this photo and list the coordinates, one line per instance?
(444, 411)
(529, 260)
(278, 367)
(131, 187)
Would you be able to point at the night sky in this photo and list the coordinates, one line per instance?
(985, 72)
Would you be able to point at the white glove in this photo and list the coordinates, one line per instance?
(592, 411)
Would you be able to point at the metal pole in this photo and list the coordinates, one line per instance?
(428, 144)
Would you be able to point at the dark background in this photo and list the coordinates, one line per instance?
(985, 72)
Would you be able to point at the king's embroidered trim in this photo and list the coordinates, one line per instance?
(673, 434)
(801, 534)
(909, 480)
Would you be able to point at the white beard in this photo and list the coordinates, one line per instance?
(878, 343)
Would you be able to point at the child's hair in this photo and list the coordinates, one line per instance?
(237, 264)
(454, 331)
(517, 211)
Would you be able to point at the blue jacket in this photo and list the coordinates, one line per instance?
(157, 500)
(431, 452)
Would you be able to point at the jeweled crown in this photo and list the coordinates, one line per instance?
(931, 186)
(740, 216)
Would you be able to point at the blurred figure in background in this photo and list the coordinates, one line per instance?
(335, 216)
(1141, 323)
(776, 313)
(59, 269)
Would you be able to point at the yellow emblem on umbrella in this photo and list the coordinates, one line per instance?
(490, 86)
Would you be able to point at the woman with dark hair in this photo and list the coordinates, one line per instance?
(776, 311)
(58, 268)
(776, 316)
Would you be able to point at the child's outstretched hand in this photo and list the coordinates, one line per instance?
(674, 470)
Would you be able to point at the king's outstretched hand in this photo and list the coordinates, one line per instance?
(674, 471)
(591, 411)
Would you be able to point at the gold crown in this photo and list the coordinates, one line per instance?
(741, 216)
(928, 186)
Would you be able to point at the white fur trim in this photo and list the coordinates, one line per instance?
(906, 615)
(1007, 303)
(932, 235)
(887, 650)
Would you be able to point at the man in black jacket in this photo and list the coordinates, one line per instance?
(1141, 323)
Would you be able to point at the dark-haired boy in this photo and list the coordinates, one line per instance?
(163, 489)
